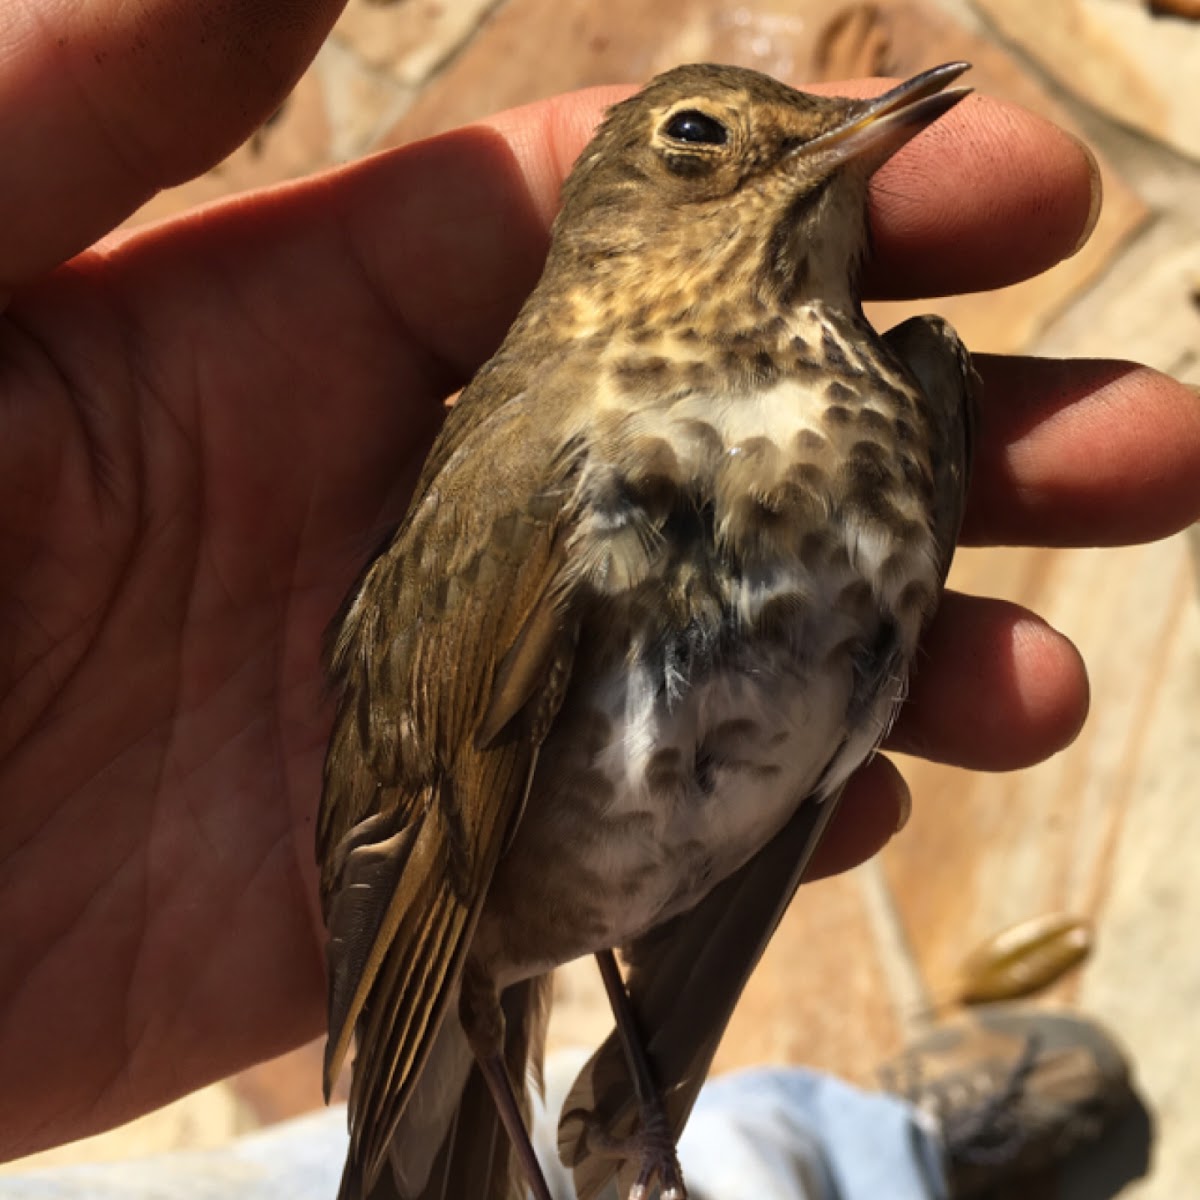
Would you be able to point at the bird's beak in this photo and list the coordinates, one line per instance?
(876, 129)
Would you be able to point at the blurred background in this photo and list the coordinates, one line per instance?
(1108, 832)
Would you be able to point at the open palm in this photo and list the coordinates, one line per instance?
(205, 428)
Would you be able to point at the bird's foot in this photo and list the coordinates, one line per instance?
(653, 1148)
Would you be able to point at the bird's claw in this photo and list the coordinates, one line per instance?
(654, 1148)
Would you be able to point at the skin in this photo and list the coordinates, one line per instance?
(206, 426)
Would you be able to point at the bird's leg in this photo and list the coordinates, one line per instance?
(653, 1143)
(483, 1022)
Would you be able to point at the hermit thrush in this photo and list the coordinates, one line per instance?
(655, 599)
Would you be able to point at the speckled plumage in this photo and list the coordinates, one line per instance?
(657, 594)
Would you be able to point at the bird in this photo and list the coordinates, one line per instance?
(656, 597)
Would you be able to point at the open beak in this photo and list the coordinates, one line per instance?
(877, 128)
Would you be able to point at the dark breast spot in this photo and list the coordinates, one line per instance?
(868, 484)
(834, 356)
(810, 441)
(810, 471)
(815, 547)
(808, 476)
(664, 771)
(917, 478)
(855, 596)
(653, 458)
(763, 367)
(873, 421)
(758, 452)
(705, 773)
(896, 568)
(704, 439)
(871, 463)
(915, 598)
(735, 727)
(789, 504)
(780, 620)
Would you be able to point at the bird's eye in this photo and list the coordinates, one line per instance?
(697, 128)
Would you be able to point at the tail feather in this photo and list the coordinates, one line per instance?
(429, 1112)
(476, 1162)
(449, 1143)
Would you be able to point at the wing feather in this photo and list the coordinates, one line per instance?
(417, 808)
(477, 1160)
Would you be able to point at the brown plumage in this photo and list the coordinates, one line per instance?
(660, 584)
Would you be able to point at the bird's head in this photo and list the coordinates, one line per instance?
(714, 177)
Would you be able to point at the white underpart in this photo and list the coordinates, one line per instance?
(798, 724)
(799, 709)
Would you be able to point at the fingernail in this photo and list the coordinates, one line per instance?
(903, 803)
(1096, 201)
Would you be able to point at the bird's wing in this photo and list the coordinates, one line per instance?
(686, 976)
(941, 366)
(451, 662)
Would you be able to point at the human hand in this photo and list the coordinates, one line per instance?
(206, 426)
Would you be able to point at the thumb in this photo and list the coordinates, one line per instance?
(103, 104)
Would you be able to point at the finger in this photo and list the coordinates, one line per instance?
(987, 195)
(103, 104)
(995, 688)
(874, 806)
(1082, 452)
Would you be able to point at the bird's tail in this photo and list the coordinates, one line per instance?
(450, 1143)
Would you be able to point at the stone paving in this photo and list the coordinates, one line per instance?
(1107, 830)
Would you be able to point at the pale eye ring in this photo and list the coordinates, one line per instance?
(696, 128)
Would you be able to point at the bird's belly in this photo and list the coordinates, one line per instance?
(641, 806)
(757, 573)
